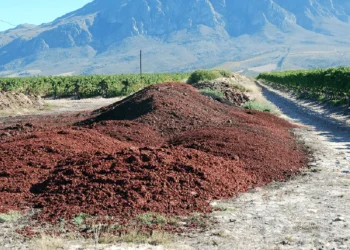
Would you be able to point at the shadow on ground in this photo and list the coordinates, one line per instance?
(333, 129)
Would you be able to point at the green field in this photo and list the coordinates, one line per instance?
(86, 86)
(331, 84)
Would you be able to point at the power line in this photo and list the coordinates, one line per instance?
(6, 22)
(13, 25)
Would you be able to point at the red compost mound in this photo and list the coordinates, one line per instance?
(134, 181)
(165, 149)
(28, 158)
(135, 133)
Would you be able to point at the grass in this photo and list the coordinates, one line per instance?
(199, 220)
(139, 231)
(46, 242)
(152, 219)
(224, 208)
(240, 88)
(147, 228)
(137, 237)
(102, 234)
(223, 72)
(80, 219)
(260, 106)
(212, 93)
(10, 217)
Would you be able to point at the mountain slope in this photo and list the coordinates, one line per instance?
(105, 36)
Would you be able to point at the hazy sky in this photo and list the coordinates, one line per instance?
(35, 11)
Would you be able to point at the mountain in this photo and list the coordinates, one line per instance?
(105, 36)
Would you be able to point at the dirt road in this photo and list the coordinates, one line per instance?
(309, 212)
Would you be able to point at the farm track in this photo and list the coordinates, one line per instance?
(307, 212)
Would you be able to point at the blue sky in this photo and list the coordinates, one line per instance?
(35, 11)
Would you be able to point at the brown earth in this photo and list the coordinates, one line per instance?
(166, 149)
(17, 103)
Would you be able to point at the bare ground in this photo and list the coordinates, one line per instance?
(71, 105)
(308, 212)
(18, 103)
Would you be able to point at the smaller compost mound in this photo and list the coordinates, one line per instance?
(166, 180)
(16, 103)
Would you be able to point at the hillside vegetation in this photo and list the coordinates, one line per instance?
(331, 84)
(207, 75)
(86, 86)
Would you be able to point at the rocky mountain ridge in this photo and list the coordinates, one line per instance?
(104, 36)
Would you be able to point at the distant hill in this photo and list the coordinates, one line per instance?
(105, 36)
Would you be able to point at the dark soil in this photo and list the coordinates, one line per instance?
(166, 149)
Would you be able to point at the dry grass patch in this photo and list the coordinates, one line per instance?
(137, 237)
(46, 242)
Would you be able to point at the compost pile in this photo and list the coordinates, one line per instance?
(231, 95)
(165, 149)
(18, 102)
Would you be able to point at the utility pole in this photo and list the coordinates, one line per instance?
(141, 67)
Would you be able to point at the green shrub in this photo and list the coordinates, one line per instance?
(240, 88)
(151, 219)
(224, 72)
(79, 219)
(203, 75)
(212, 93)
(260, 106)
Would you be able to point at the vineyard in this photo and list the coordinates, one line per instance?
(331, 84)
(86, 86)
